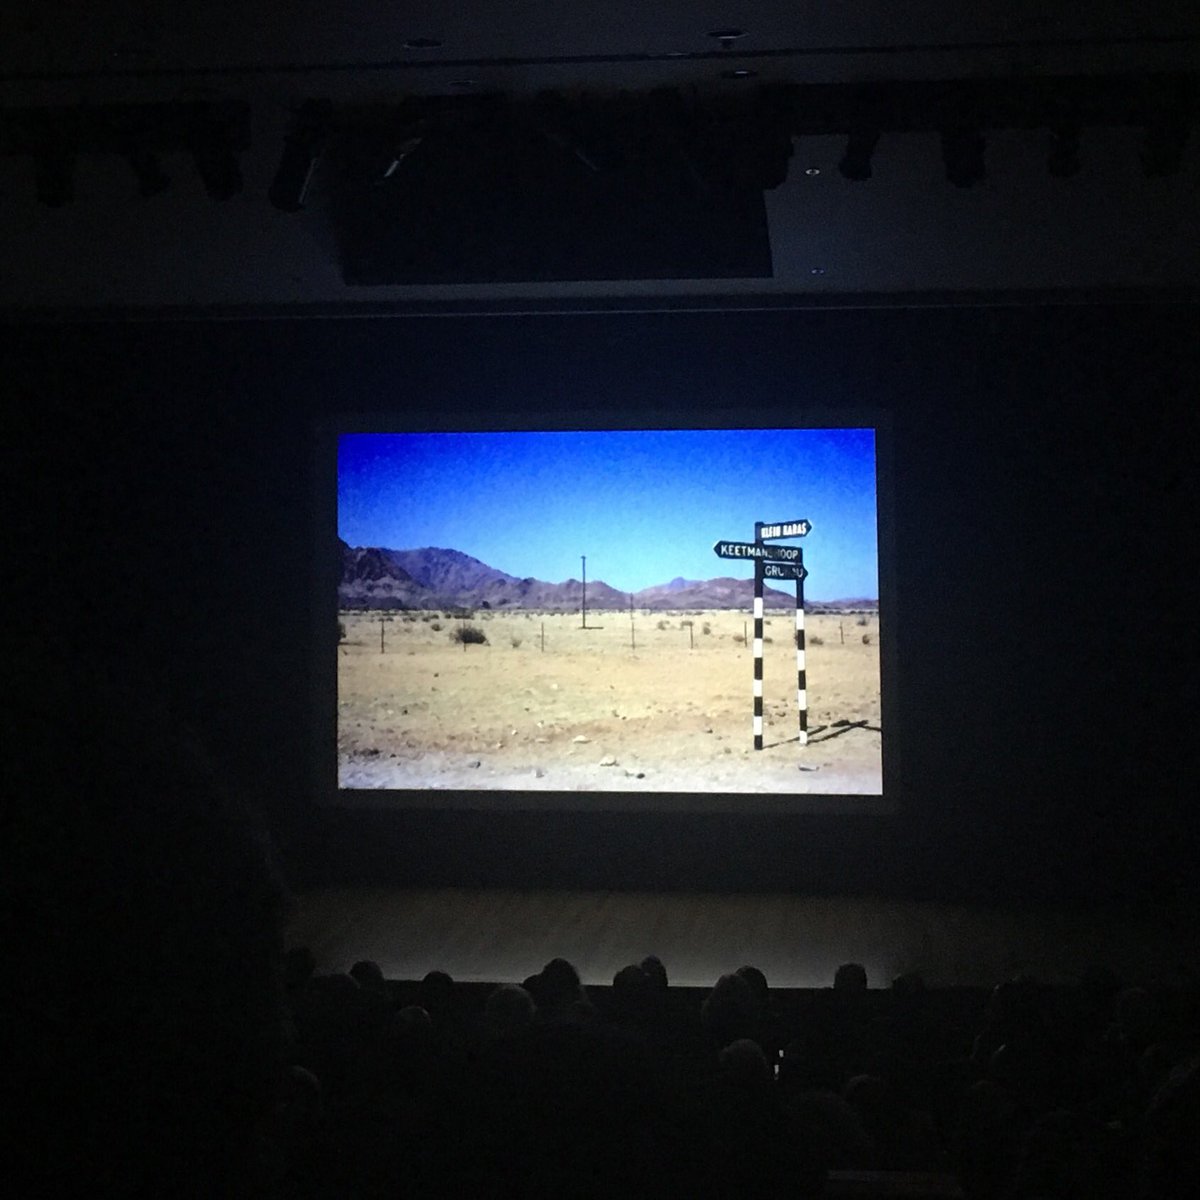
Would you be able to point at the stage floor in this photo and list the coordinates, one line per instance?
(797, 941)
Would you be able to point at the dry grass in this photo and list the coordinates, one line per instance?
(670, 714)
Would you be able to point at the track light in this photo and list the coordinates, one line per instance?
(392, 153)
(962, 154)
(856, 161)
(54, 177)
(302, 150)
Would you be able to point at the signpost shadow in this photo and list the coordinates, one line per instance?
(823, 733)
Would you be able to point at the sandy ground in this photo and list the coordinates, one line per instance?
(590, 712)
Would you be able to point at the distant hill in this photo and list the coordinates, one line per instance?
(371, 579)
(434, 577)
(724, 592)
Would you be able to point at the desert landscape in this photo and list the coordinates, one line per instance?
(659, 700)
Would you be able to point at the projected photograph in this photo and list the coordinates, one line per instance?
(576, 611)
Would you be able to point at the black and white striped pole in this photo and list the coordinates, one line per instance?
(774, 563)
(801, 665)
(758, 641)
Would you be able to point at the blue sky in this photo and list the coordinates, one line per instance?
(644, 506)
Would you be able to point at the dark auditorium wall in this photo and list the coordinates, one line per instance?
(1046, 568)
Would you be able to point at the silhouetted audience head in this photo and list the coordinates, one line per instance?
(850, 978)
(632, 997)
(729, 1012)
(744, 1064)
(561, 978)
(369, 976)
(438, 996)
(655, 971)
(758, 985)
(557, 991)
(413, 1016)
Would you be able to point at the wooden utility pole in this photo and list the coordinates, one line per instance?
(583, 605)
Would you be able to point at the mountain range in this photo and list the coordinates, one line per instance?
(431, 577)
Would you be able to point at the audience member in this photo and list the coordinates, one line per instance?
(729, 1012)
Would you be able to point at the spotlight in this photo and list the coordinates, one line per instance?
(393, 152)
(302, 151)
(726, 37)
(54, 177)
(856, 161)
(1063, 159)
(151, 177)
(1163, 145)
(962, 154)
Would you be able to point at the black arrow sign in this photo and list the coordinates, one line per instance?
(786, 529)
(782, 570)
(756, 550)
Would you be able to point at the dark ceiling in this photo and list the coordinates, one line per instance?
(1110, 89)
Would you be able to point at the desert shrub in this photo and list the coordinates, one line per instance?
(706, 628)
(409, 619)
(662, 625)
(487, 616)
(516, 642)
(686, 624)
(427, 617)
(436, 626)
(740, 638)
(766, 640)
(468, 635)
(341, 631)
(866, 639)
(815, 640)
(862, 621)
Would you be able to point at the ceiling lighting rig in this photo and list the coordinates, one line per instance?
(963, 113)
(55, 139)
(669, 140)
(661, 140)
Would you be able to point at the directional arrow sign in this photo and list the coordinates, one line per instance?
(756, 550)
(786, 529)
(782, 570)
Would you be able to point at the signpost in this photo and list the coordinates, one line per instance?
(784, 570)
(756, 550)
(774, 562)
(785, 529)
